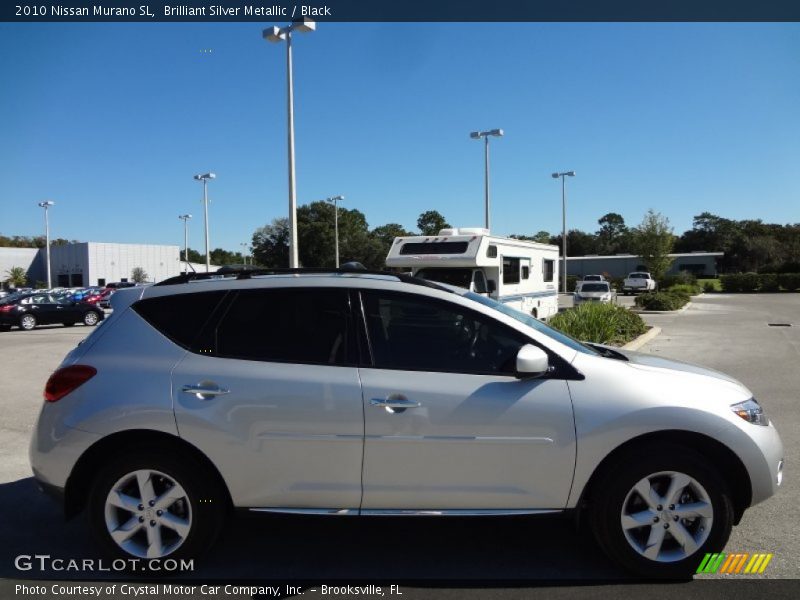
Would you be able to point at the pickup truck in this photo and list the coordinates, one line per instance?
(638, 282)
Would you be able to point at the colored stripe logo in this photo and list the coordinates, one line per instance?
(734, 564)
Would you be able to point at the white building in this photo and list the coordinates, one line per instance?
(94, 263)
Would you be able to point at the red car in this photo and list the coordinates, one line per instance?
(101, 299)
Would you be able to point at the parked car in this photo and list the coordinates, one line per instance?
(594, 291)
(29, 310)
(639, 281)
(118, 285)
(371, 393)
(593, 278)
(99, 297)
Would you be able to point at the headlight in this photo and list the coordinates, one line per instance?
(751, 411)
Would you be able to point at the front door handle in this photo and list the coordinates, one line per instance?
(205, 390)
(395, 403)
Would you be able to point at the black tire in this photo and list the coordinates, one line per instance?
(91, 318)
(612, 489)
(207, 504)
(27, 322)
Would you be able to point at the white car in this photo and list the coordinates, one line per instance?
(372, 393)
(594, 291)
(639, 281)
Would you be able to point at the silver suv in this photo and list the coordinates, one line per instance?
(368, 393)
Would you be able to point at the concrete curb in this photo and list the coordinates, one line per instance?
(662, 312)
(640, 341)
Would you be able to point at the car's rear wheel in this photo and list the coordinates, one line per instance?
(152, 506)
(659, 510)
(91, 318)
(27, 322)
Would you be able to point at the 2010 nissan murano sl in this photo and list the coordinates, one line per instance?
(377, 394)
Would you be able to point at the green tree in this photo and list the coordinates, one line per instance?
(543, 237)
(384, 236)
(316, 237)
(653, 241)
(271, 244)
(16, 277)
(612, 237)
(579, 243)
(431, 222)
(139, 275)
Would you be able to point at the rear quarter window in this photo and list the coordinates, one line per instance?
(180, 317)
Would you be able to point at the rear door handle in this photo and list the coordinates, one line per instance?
(395, 403)
(204, 390)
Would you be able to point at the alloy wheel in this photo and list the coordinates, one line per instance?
(148, 514)
(667, 516)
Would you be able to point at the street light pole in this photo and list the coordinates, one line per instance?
(563, 177)
(185, 218)
(277, 34)
(334, 200)
(204, 178)
(476, 135)
(46, 206)
(246, 252)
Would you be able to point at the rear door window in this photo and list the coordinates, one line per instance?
(311, 326)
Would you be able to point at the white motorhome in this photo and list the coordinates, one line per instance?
(519, 273)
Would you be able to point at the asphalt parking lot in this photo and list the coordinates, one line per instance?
(726, 332)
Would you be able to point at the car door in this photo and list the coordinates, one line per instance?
(44, 308)
(448, 426)
(270, 393)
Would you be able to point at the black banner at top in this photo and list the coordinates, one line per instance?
(400, 10)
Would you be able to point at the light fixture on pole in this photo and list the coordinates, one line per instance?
(563, 177)
(476, 135)
(278, 34)
(246, 252)
(185, 218)
(204, 178)
(46, 206)
(335, 200)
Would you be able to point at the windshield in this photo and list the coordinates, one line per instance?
(594, 287)
(639, 276)
(531, 322)
(457, 277)
(593, 278)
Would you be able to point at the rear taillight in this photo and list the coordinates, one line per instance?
(6, 308)
(65, 380)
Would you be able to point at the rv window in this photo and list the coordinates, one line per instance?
(510, 270)
(457, 277)
(434, 248)
(547, 269)
(526, 272)
(491, 252)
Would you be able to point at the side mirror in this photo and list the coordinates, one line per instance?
(532, 361)
(491, 286)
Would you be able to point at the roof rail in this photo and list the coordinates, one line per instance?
(247, 273)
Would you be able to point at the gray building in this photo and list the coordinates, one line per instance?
(93, 263)
(701, 264)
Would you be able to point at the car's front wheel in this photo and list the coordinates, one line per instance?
(660, 510)
(152, 506)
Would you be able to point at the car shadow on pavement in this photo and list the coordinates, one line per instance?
(453, 549)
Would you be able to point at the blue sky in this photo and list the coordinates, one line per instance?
(111, 121)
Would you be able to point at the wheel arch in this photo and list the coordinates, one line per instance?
(725, 460)
(76, 490)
